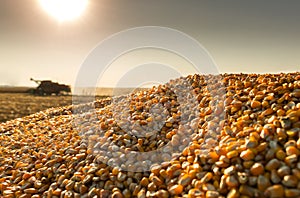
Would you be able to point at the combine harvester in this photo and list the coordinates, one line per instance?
(47, 87)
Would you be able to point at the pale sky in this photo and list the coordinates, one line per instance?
(241, 36)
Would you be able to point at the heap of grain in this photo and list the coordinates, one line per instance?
(248, 126)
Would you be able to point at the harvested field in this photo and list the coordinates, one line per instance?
(241, 139)
(16, 105)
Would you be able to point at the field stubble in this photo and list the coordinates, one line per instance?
(17, 105)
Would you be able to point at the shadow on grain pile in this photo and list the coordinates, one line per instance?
(245, 143)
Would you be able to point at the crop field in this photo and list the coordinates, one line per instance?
(15, 105)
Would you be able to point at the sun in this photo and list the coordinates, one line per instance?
(64, 10)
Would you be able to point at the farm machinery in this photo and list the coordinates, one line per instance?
(47, 87)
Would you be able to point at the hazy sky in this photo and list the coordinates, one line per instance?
(241, 36)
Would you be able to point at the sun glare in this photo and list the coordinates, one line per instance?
(64, 10)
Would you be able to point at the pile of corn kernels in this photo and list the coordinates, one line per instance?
(243, 141)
